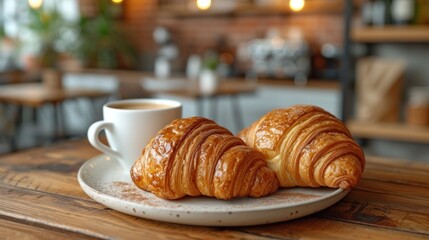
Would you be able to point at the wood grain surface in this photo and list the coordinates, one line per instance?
(40, 198)
(391, 34)
(36, 94)
(390, 131)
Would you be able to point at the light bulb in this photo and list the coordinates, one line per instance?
(117, 1)
(204, 4)
(296, 5)
(35, 3)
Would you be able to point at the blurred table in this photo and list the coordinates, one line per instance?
(35, 95)
(40, 198)
(226, 88)
(16, 76)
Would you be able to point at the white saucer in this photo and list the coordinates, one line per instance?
(103, 179)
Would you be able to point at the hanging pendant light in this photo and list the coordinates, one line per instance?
(204, 4)
(296, 5)
(35, 3)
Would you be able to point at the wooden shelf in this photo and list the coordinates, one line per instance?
(311, 7)
(411, 34)
(390, 131)
(312, 83)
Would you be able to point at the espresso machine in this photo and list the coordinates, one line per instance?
(280, 57)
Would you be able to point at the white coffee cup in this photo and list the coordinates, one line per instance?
(130, 125)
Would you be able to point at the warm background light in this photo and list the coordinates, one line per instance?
(117, 1)
(204, 4)
(296, 5)
(35, 3)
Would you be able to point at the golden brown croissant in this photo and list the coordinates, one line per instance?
(195, 156)
(307, 146)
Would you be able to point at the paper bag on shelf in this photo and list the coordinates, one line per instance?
(379, 89)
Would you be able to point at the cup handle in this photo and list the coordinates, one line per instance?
(93, 132)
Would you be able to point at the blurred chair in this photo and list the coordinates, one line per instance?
(158, 85)
(197, 102)
(168, 88)
(8, 115)
(80, 113)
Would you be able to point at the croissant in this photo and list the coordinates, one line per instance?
(195, 156)
(307, 147)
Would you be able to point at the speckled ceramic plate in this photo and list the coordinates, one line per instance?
(103, 179)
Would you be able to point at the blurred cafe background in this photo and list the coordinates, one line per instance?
(365, 61)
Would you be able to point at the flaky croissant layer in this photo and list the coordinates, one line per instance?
(307, 146)
(195, 156)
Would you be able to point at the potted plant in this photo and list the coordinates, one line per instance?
(7, 55)
(101, 41)
(96, 41)
(208, 76)
(46, 29)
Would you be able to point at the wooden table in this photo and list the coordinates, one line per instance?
(40, 198)
(35, 95)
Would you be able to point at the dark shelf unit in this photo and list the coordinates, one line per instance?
(346, 67)
(376, 35)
